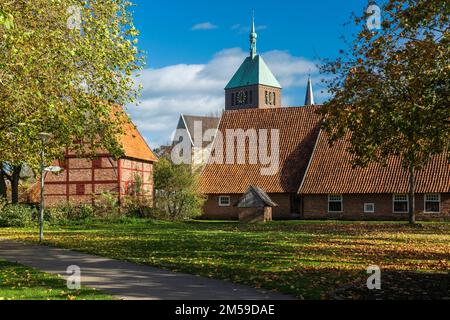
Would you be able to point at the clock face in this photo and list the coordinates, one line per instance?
(241, 97)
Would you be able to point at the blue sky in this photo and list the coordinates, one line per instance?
(194, 47)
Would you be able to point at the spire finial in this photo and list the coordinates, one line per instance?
(253, 22)
(309, 100)
(253, 37)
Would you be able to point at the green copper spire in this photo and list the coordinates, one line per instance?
(253, 37)
(253, 70)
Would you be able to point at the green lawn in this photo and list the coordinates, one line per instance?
(18, 282)
(306, 259)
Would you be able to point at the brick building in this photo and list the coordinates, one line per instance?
(313, 180)
(226, 183)
(83, 179)
(332, 188)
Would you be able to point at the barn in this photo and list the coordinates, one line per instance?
(83, 180)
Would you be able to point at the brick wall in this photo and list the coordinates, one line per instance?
(212, 210)
(81, 180)
(134, 171)
(259, 97)
(316, 207)
(85, 179)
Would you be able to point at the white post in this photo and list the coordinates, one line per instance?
(41, 209)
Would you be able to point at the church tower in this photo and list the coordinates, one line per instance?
(253, 85)
(309, 99)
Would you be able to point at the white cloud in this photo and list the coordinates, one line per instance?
(204, 26)
(199, 89)
(291, 71)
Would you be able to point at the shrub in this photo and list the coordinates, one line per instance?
(68, 213)
(84, 212)
(106, 205)
(139, 207)
(17, 216)
(3, 203)
(177, 192)
(56, 215)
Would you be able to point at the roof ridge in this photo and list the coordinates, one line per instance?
(310, 161)
(282, 109)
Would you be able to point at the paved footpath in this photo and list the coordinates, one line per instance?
(128, 280)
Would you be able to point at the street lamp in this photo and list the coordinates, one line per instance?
(44, 137)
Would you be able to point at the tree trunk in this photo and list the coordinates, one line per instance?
(15, 179)
(412, 194)
(3, 186)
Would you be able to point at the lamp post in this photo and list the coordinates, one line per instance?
(44, 137)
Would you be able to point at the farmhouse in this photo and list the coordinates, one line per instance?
(312, 179)
(83, 179)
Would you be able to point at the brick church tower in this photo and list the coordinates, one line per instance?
(253, 85)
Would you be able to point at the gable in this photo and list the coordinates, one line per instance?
(188, 123)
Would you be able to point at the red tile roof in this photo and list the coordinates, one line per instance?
(330, 172)
(298, 127)
(134, 144)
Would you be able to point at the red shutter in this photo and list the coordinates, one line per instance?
(81, 189)
(97, 163)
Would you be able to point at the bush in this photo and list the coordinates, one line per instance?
(107, 205)
(17, 216)
(68, 213)
(3, 203)
(56, 216)
(106, 208)
(140, 207)
(177, 192)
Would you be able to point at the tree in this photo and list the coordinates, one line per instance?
(391, 88)
(6, 20)
(176, 189)
(65, 66)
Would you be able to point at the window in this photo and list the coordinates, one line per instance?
(335, 203)
(369, 207)
(251, 97)
(401, 203)
(274, 99)
(432, 203)
(224, 201)
(267, 98)
(232, 99)
(246, 97)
